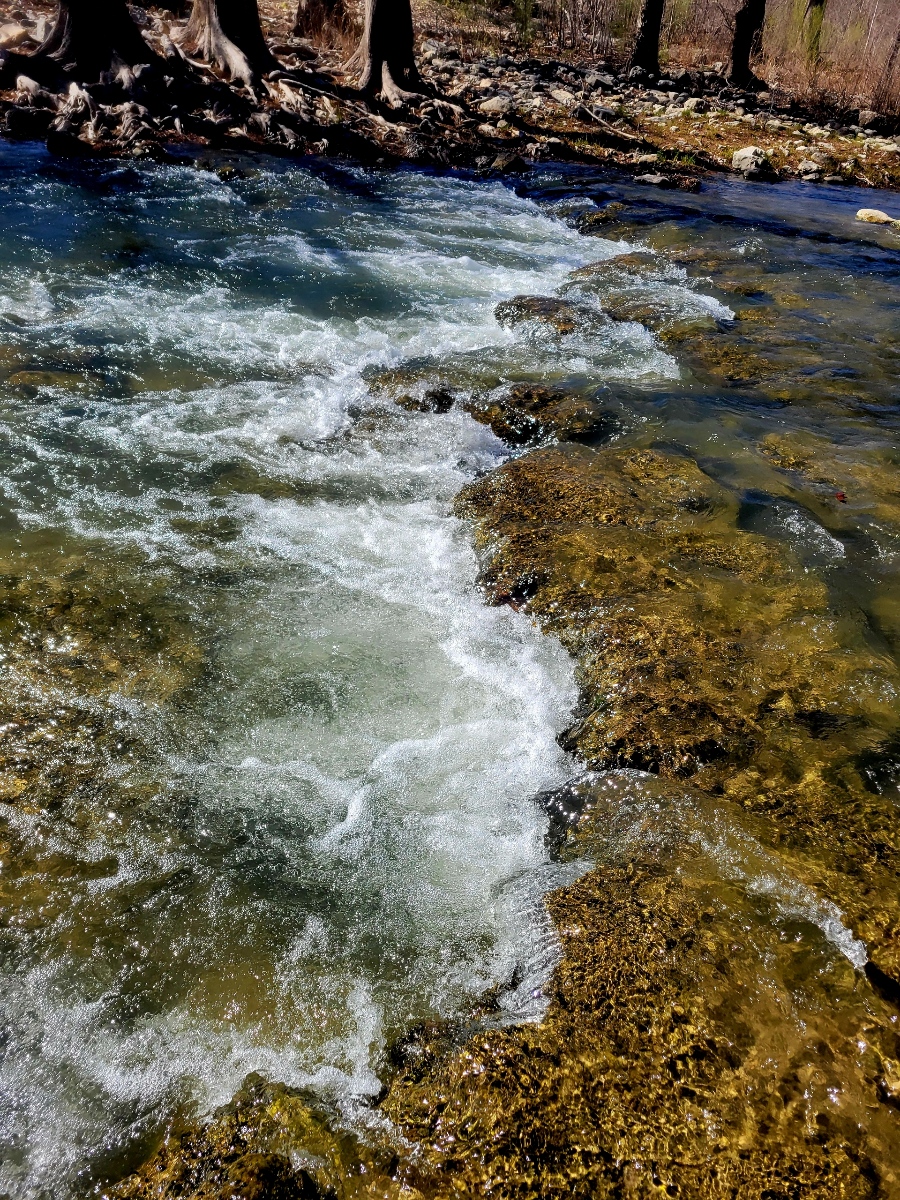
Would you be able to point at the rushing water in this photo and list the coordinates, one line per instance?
(270, 764)
(323, 829)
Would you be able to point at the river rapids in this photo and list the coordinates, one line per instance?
(270, 762)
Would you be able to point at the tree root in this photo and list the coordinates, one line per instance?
(234, 46)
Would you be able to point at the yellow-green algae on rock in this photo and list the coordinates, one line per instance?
(89, 657)
(664, 1067)
(270, 1142)
(704, 652)
(78, 642)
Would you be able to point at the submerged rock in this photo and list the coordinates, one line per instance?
(271, 1142)
(594, 222)
(434, 400)
(562, 315)
(532, 413)
(78, 645)
(650, 1073)
(704, 652)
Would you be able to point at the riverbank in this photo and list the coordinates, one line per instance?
(481, 112)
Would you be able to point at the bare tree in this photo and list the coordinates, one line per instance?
(227, 33)
(881, 95)
(746, 41)
(385, 59)
(812, 30)
(646, 48)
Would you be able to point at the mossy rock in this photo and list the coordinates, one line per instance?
(864, 483)
(651, 1074)
(627, 288)
(528, 414)
(271, 1142)
(408, 382)
(77, 643)
(635, 262)
(704, 652)
(597, 221)
(433, 400)
(561, 315)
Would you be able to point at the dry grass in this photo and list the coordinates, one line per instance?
(851, 59)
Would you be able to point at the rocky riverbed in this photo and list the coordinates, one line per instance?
(723, 1019)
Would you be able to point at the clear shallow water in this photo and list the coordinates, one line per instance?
(283, 802)
(268, 789)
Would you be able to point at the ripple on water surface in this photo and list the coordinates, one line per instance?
(295, 755)
(269, 763)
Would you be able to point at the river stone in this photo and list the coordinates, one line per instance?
(874, 216)
(434, 400)
(593, 222)
(751, 161)
(246, 1152)
(13, 34)
(531, 413)
(550, 310)
(509, 163)
(635, 262)
(29, 124)
(497, 106)
(603, 112)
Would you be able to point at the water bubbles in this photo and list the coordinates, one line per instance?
(312, 820)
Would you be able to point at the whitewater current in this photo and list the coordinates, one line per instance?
(305, 819)
(340, 836)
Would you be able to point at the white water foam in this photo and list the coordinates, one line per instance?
(343, 838)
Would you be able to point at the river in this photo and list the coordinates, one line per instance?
(269, 760)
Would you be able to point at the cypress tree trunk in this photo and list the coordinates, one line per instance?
(90, 36)
(227, 34)
(385, 58)
(747, 40)
(646, 49)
